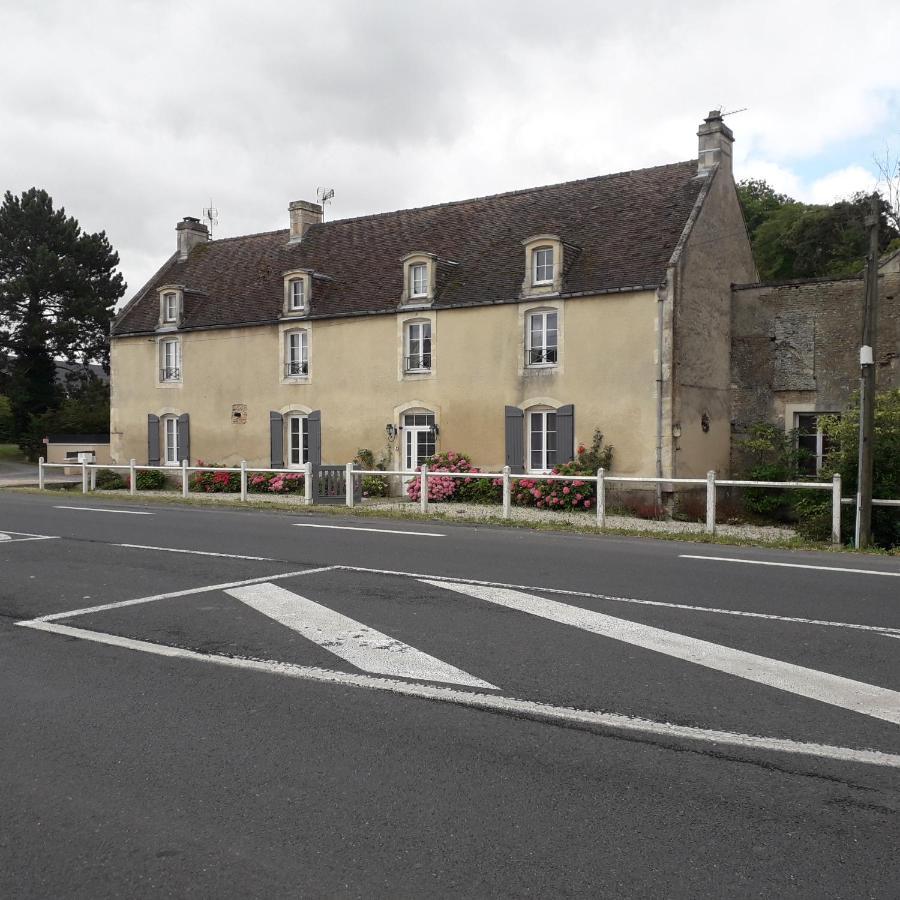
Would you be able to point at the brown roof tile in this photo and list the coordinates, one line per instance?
(620, 231)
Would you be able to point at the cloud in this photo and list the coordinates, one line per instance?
(135, 114)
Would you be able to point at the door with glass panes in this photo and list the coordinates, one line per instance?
(418, 439)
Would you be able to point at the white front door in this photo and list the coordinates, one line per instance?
(418, 439)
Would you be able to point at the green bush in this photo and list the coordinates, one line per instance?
(107, 480)
(150, 480)
(773, 455)
(214, 482)
(373, 485)
(480, 490)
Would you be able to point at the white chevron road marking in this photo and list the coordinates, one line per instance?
(868, 699)
(352, 641)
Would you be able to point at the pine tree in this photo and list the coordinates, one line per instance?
(58, 288)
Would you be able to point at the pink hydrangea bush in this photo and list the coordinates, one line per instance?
(443, 488)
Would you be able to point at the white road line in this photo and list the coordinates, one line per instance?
(124, 512)
(17, 537)
(361, 646)
(194, 552)
(760, 562)
(52, 617)
(867, 699)
(881, 629)
(542, 712)
(376, 530)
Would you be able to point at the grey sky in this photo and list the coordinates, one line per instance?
(133, 114)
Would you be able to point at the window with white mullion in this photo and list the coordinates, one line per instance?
(541, 440)
(418, 346)
(171, 361)
(297, 298)
(298, 441)
(297, 362)
(170, 307)
(170, 427)
(418, 280)
(543, 338)
(543, 265)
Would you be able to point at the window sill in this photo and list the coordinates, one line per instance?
(295, 379)
(170, 384)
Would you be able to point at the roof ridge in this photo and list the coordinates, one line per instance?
(513, 193)
(253, 234)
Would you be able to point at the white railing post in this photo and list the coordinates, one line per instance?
(84, 477)
(93, 478)
(243, 480)
(40, 473)
(307, 483)
(711, 502)
(132, 476)
(836, 509)
(348, 484)
(184, 478)
(601, 498)
(423, 493)
(507, 493)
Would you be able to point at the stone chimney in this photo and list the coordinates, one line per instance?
(716, 139)
(190, 232)
(303, 215)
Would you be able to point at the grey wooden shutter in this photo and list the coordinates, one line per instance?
(184, 437)
(276, 440)
(565, 434)
(315, 437)
(152, 440)
(515, 438)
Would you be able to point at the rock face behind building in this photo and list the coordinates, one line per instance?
(795, 348)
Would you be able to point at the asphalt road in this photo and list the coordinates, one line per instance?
(427, 709)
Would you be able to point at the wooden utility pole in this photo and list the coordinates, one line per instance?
(867, 385)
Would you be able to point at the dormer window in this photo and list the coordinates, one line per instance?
(296, 293)
(542, 263)
(170, 306)
(418, 279)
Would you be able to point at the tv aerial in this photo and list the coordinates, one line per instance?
(324, 195)
(211, 214)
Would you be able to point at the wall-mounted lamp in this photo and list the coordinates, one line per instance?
(435, 431)
(391, 431)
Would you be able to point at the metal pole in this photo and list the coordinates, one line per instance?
(40, 473)
(867, 385)
(507, 493)
(348, 484)
(836, 509)
(184, 478)
(132, 476)
(711, 502)
(243, 481)
(601, 498)
(423, 494)
(84, 477)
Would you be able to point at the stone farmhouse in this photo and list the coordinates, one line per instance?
(509, 327)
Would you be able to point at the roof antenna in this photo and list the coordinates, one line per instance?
(324, 195)
(732, 112)
(211, 214)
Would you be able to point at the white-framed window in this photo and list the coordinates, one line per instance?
(170, 440)
(418, 280)
(296, 294)
(170, 307)
(296, 354)
(419, 434)
(542, 265)
(297, 428)
(812, 442)
(542, 338)
(541, 425)
(170, 360)
(418, 347)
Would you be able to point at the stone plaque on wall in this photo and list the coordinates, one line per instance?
(239, 414)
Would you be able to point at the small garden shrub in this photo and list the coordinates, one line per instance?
(373, 485)
(275, 483)
(151, 480)
(442, 489)
(214, 482)
(107, 480)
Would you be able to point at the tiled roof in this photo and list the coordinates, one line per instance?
(619, 231)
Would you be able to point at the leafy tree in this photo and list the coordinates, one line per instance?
(58, 288)
(799, 240)
(6, 420)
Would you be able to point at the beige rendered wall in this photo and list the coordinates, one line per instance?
(56, 453)
(607, 370)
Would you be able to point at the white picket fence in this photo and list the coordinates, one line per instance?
(506, 477)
